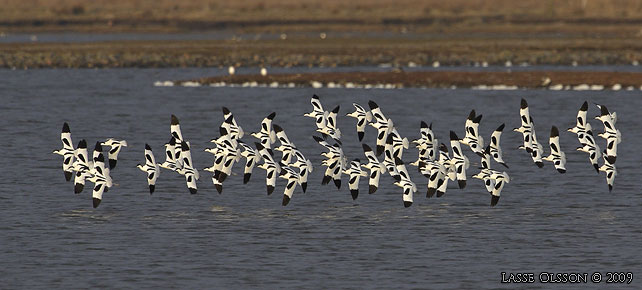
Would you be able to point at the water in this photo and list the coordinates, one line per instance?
(244, 239)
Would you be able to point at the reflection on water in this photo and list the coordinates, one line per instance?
(242, 238)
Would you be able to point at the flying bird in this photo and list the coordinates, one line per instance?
(363, 117)
(115, 146)
(557, 156)
(67, 151)
(151, 168)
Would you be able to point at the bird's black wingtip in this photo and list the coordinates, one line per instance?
(440, 193)
(554, 132)
(461, 183)
(493, 200)
(453, 136)
(562, 171)
(147, 147)
(112, 163)
(471, 115)
(271, 116)
(152, 188)
(337, 183)
(501, 127)
(82, 144)
(246, 177)
(372, 189)
(78, 188)
(539, 164)
(270, 189)
(354, 193)
(286, 200)
(372, 105)
(584, 106)
(304, 186)
(193, 190)
(431, 192)
(407, 203)
(219, 188)
(68, 175)
(424, 125)
(360, 135)
(98, 147)
(96, 202)
(523, 104)
(174, 120)
(366, 148)
(225, 110)
(336, 109)
(65, 128)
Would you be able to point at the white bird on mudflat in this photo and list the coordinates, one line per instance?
(188, 170)
(525, 128)
(382, 124)
(409, 187)
(354, 173)
(495, 149)
(292, 178)
(609, 168)
(557, 156)
(427, 144)
(235, 131)
(252, 157)
(459, 160)
(67, 151)
(472, 138)
(375, 167)
(305, 167)
(363, 117)
(286, 144)
(335, 162)
(611, 134)
(272, 169)
(266, 135)
(82, 166)
(115, 146)
(151, 168)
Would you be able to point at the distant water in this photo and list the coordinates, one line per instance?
(545, 221)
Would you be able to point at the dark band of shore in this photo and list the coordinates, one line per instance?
(438, 79)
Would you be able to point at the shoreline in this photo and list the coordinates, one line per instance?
(554, 80)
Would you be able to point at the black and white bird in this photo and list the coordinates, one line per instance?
(436, 174)
(252, 157)
(151, 168)
(499, 179)
(448, 164)
(609, 168)
(581, 124)
(472, 138)
(375, 167)
(271, 168)
(266, 135)
(525, 128)
(409, 187)
(611, 134)
(330, 128)
(104, 174)
(612, 114)
(235, 131)
(592, 149)
(191, 174)
(363, 117)
(82, 166)
(175, 129)
(537, 150)
(226, 154)
(495, 150)
(458, 160)
(398, 143)
(557, 156)
(170, 155)
(389, 158)
(354, 173)
(485, 174)
(382, 124)
(115, 146)
(67, 151)
(427, 144)
(292, 178)
(305, 167)
(318, 114)
(285, 145)
(335, 162)
(99, 179)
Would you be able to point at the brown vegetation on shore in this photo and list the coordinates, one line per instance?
(439, 79)
(280, 15)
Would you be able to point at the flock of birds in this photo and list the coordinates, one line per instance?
(435, 161)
